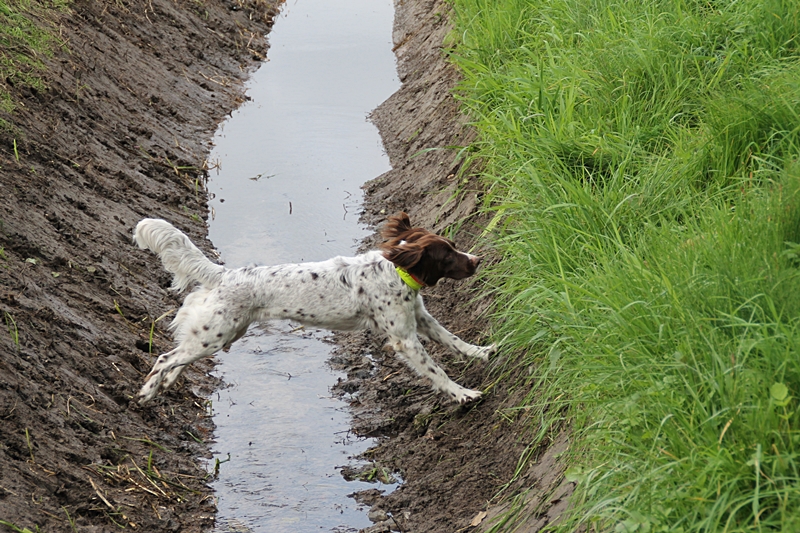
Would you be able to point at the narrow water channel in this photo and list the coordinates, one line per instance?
(291, 162)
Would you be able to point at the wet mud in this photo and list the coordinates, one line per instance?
(135, 93)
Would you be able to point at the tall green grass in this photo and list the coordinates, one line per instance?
(642, 161)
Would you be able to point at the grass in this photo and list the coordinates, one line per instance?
(16, 528)
(642, 163)
(26, 39)
(13, 332)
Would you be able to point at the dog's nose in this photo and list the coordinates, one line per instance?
(475, 260)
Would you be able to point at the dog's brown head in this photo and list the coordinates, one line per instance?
(426, 256)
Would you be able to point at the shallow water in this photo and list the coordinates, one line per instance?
(287, 188)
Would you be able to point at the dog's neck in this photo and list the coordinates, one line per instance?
(410, 279)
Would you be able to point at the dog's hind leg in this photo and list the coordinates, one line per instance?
(430, 327)
(166, 370)
(156, 376)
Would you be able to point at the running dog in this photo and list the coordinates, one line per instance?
(378, 290)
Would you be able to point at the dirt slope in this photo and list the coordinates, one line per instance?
(134, 98)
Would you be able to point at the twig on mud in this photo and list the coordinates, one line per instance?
(223, 83)
(148, 441)
(30, 446)
(99, 494)
(94, 402)
(133, 481)
(9, 491)
(11, 412)
(150, 4)
(148, 479)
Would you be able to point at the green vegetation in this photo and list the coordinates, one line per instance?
(15, 528)
(642, 163)
(25, 39)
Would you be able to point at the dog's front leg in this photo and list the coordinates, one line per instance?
(430, 327)
(415, 356)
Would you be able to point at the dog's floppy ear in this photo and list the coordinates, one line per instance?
(404, 255)
(396, 225)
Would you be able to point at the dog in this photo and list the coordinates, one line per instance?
(378, 290)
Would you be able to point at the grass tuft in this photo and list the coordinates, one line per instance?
(27, 38)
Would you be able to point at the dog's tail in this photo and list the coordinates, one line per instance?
(178, 255)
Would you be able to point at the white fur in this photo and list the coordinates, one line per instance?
(343, 293)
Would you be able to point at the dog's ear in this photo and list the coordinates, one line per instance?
(404, 255)
(396, 225)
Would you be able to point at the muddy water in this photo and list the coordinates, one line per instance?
(287, 189)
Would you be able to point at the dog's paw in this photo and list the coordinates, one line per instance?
(465, 396)
(147, 392)
(483, 352)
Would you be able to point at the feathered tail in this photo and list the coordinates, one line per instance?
(178, 254)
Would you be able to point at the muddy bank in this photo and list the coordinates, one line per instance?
(134, 97)
(459, 465)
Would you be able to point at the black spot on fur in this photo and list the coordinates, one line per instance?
(205, 345)
(314, 275)
(361, 290)
(344, 281)
(431, 369)
(407, 298)
(206, 328)
(195, 332)
(391, 322)
(219, 335)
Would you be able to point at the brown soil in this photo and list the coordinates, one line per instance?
(122, 133)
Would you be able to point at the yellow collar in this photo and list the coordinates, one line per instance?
(409, 279)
